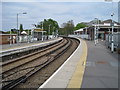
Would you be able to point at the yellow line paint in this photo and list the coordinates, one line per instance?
(76, 80)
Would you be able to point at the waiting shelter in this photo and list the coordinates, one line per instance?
(38, 34)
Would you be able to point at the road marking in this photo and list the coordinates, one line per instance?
(76, 80)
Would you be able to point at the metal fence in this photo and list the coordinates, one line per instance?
(116, 40)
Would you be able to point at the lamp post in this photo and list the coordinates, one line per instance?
(28, 36)
(112, 25)
(95, 32)
(97, 28)
(112, 41)
(18, 33)
(42, 31)
(49, 31)
(53, 32)
(10, 38)
(95, 35)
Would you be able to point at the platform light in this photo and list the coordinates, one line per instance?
(17, 27)
(112, 25)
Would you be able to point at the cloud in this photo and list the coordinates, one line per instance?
(59, 11)
(56, 0)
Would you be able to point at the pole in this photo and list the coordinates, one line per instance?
(49, 31)
(53, 32)
(86, 31)
(17, 29)
(32, 32)
(18, 33)
(42, 32)
(28, 37)
(112, 41)
(97, 29)
(95, 35)
(10, 38)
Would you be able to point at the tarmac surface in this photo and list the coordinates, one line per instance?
(101, 67)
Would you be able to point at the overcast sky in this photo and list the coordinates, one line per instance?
(59, 11)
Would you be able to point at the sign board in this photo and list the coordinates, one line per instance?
(112, 24)
(38, 30)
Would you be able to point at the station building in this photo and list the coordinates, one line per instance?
(102, 29)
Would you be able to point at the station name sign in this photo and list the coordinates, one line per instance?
(38, 30)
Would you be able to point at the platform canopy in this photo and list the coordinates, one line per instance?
(23, 32)
(79, 30)
(38, 30)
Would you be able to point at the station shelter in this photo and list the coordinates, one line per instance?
(82, 33)
(38, 34)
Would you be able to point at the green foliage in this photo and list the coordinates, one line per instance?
(67, 28)
(80, 25)
(21, 28)
(8, 32)
(48, 25)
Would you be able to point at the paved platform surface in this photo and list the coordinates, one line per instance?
(101, 67)
(63, 76)
(95, 67)
(7, 47)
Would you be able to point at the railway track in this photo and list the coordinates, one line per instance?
(20, 70)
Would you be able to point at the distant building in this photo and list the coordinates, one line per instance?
(1, 32)
(104, 29)
(5, 38)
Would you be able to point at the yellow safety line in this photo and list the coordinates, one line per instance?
(76, 80)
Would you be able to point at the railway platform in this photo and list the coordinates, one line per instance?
(89, 66)
(8, 49)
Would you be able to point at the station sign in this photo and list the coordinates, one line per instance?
(38, 30)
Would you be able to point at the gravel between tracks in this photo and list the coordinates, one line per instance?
(41, 76)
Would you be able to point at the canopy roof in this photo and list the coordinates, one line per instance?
(23, 32)
(38, 29)
(79, 30)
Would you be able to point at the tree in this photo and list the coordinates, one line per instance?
(68, 27)
(48, 24)
(21, 28)
(80, 25)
